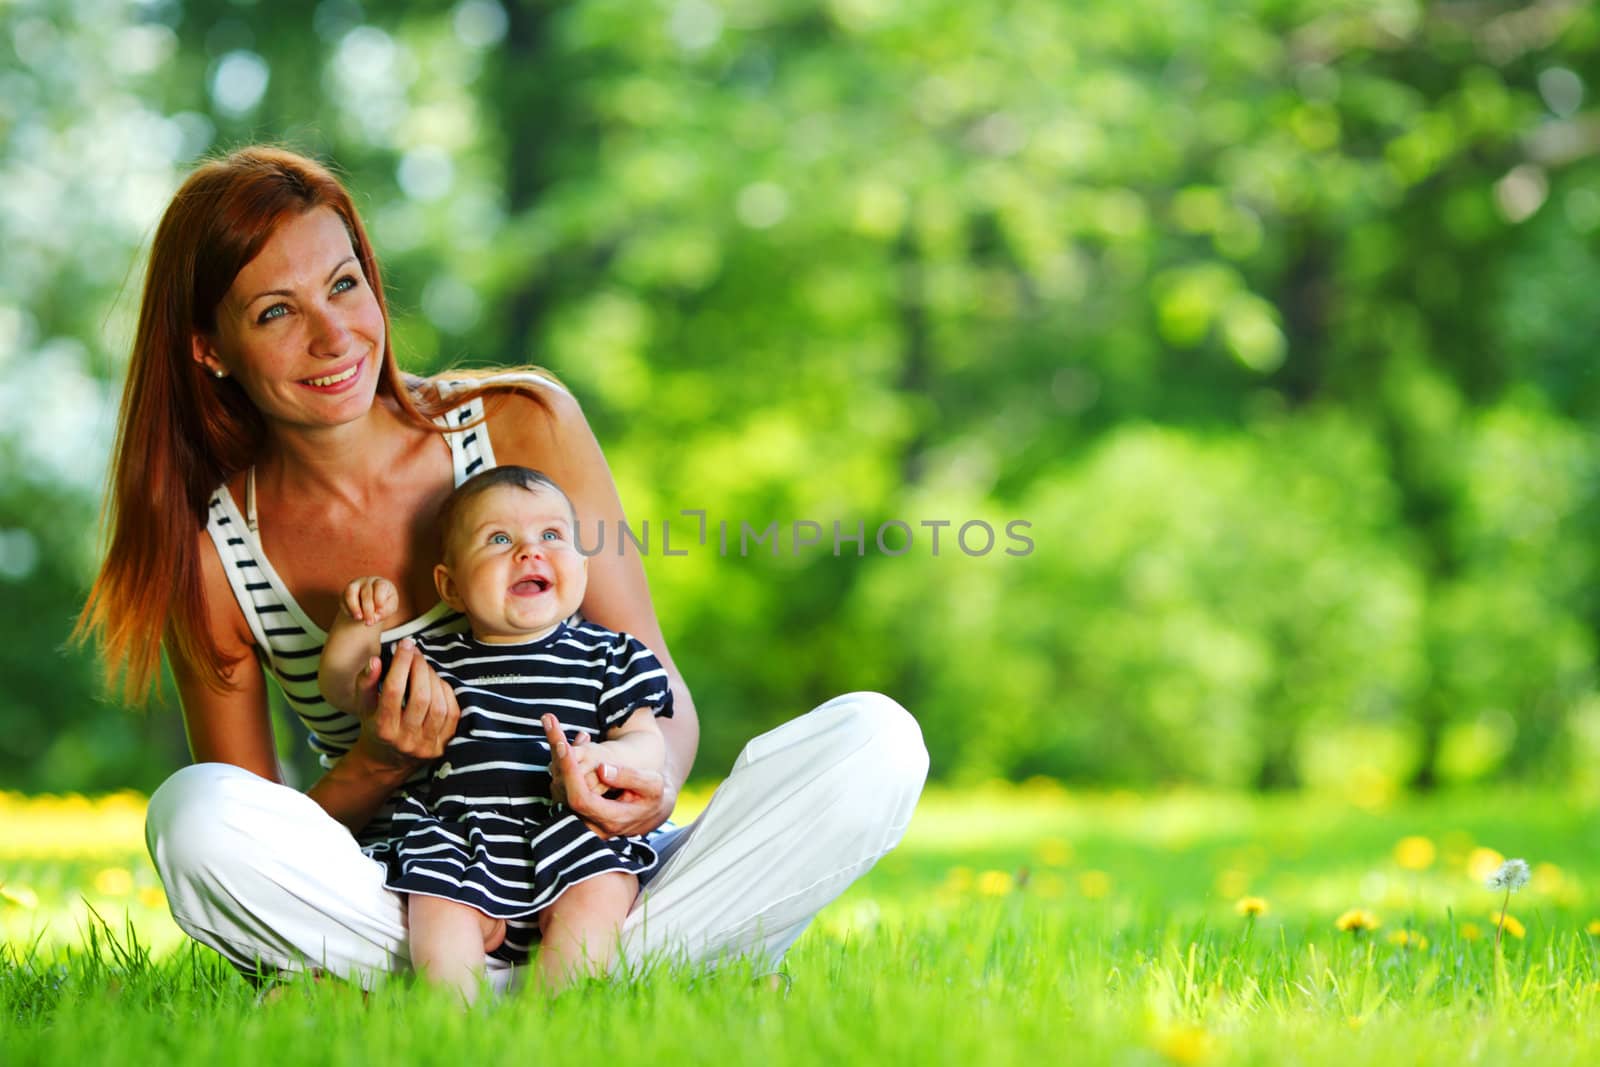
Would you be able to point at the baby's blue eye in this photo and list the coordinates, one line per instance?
(552, 535)
(499, 539)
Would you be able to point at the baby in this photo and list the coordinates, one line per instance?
(481, 841)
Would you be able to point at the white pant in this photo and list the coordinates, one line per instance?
(259, 872)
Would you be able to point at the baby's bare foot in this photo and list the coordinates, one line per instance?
(777, 982)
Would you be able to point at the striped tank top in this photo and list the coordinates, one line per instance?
(288, 642)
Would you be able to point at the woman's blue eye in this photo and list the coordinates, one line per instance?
(276, 311)
(344, 283)
(499, 539)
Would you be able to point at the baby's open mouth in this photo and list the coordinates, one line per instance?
(531, 586)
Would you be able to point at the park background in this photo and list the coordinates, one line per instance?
(1272, 320)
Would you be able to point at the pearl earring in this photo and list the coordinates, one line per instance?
(218, 372)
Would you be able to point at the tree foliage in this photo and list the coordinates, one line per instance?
(1270, 317)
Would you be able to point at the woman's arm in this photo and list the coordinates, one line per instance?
(234, 726)
(560, 443)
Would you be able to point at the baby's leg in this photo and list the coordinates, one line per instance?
(579, 931)
(448, 941)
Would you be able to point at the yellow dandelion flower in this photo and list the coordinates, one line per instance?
(1514, 927)
(19, 895)
(1250, 906)
(1049, 885)
(1471, 931)
(1593, 927)
(152, 897)
(1184, 1044)
(1548, 878)
(958, 879)
(114, 881)
(994, 883)
(1415, 853)
(1408, 939)
(1482, 862)
(1233, 882)
(1357, 920)
(1054, 852)
(1094, 884)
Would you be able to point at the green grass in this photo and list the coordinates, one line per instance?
(1120, 946)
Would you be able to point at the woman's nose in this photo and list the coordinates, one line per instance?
(329, 337)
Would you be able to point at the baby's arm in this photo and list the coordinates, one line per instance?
(637, 743)
(348, 674)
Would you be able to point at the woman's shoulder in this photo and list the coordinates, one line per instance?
(454, 388)
(538, 422)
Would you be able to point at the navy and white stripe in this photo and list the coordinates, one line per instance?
(483, 830)
(289, 643)
(292, 655)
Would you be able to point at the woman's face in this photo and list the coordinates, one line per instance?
(300, 329)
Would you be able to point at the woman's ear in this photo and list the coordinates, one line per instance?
(447, 587)
(205, 354)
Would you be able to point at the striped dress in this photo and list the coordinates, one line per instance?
(483, 830)
(290, 644)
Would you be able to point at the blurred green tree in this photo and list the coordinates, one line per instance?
(1270, 317)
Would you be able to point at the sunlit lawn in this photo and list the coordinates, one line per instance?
(1017, 924)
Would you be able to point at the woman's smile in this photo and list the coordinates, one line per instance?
(348, 377)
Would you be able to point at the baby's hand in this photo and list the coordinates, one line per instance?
(370, 600)
(577, 757)
(589, 758)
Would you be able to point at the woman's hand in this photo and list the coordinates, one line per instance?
(615, 801)
(414, 714)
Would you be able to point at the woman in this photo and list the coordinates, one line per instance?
(269, 448)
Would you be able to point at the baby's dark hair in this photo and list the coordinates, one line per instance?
(493, 478)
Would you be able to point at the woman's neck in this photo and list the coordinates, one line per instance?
(344, 462)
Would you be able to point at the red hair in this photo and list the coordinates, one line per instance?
(181, 433)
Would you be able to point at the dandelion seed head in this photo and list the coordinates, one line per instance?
(1511, 875)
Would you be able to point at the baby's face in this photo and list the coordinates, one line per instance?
(512, 564)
